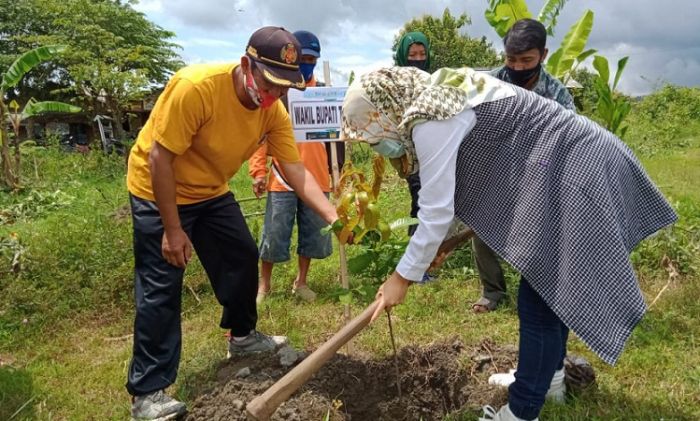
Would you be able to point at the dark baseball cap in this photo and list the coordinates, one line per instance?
(309, 43)
(276, 53)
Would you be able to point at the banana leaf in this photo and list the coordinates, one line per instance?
(27, 62)
(549, 13)
(562, 61)
(620, 67)
(502, 14)
(600, 64)
(33, 108)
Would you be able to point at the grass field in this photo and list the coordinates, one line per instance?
(66, 313)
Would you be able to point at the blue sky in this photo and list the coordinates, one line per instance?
(663, 42)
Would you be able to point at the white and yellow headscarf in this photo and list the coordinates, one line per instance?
(387, 103)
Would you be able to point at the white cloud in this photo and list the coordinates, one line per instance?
(663, 42)
(147, 6)
(209, 42)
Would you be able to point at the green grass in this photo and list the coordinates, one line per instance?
(66, 316)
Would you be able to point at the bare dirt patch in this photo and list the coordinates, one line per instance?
(436, 380)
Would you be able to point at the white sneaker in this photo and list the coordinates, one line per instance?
(557, 388)
(503, 379)
(503, 414)
(156, 406)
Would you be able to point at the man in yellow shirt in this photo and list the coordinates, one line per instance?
(206, 123)
(283, 205)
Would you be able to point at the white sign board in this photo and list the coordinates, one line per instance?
(316, 112)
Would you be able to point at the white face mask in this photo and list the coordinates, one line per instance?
(389, 148)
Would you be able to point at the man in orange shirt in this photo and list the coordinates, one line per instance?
(209, 120)
(283, 204)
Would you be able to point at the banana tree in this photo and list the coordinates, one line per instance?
(31, 109)
(611, 108)
(10, 79)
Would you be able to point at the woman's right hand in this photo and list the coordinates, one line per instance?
(392, 292)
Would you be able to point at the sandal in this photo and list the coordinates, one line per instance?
(305, 293)
(484, 305)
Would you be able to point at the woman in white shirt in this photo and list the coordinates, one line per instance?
(560, 198)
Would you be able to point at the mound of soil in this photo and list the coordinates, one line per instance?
(435, 380)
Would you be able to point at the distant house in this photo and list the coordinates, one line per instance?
(138, 111)
(82, 126)
(41, 126)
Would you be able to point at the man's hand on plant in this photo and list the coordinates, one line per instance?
(176, 247)
(392, 292)
(337, 228)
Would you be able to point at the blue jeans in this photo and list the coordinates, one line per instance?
(541, 352)
(281, 210)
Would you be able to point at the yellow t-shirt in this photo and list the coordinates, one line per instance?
(199, 118)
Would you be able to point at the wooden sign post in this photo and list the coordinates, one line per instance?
(315, 115)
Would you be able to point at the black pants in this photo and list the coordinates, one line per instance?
(229, 255)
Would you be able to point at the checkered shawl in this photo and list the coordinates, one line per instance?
(564, 201)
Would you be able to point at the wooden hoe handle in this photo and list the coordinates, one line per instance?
(263, 406)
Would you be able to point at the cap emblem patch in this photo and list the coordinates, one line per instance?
(288, 54)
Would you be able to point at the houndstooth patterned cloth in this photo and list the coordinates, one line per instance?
(564, 201)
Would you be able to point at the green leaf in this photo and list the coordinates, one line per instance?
(623, 131)
(600, 64)
(502, 14)
(584, 55)
(359, 263)
(402, 222)
(620, 67)
(27, 62)
(34, 108)
(345, 299)
(562, 61)
(549, 13)
(553, 61)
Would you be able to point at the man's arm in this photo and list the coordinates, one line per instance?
(257, 168)
(306, 187)
(176, 247)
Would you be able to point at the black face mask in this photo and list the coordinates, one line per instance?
(521, 77)
(417, 63)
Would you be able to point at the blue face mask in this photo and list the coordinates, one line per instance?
(389, 148)
(307, 70)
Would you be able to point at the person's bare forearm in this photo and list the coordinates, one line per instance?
(306, 187)
(163, 181)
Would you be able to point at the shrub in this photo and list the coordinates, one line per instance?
(664, 120)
